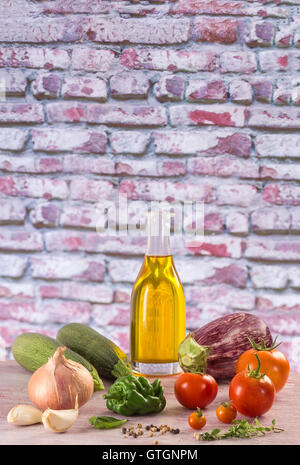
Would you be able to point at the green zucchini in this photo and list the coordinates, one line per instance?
(32, 350)
(108, 359)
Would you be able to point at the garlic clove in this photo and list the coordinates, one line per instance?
(59, 421)
(23, 415)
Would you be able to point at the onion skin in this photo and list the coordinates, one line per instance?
(56, 384)
(227, 339)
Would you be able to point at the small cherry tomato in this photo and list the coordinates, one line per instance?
(197, 420)
(273, 362)
(226, 412)
(252, 392)
(193, 390)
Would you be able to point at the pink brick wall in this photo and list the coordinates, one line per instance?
(187, 99)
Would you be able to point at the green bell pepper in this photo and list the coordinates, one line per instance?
(130, 395)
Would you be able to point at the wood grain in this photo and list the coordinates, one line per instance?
(13, 390)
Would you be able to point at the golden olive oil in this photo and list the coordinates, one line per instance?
(157, 307)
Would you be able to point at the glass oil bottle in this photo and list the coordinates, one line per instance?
(157, 325)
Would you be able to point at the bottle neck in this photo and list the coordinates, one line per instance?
(158, 234)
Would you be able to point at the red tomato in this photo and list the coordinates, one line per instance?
(226, 412)
(252, 392)
(197, 420)
(193, 390)
(273, 362)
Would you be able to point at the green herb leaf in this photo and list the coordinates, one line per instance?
(106, 422)
(241, 429)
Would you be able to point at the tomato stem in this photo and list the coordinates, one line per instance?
(262, 346)
(199, 412)
(255, 373)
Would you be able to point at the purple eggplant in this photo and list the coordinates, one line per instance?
(216, 347)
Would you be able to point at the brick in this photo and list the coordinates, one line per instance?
(49, 165)
(219, 7)
(284, 35)
(21, 311)
(169, 60)
(99, 293)
(139, 31)
(240, 195)
(295, 220)
(272, 250)
(66, 112)
(12, 266)
(169, 88)
(216, 247)
(286, 323)
(213, 222)
(272, 277)
(92, 60)
(84, 87)
(223, 31)
(46, 86)
(90, 190)
(171, 168)
(165, 190)
(202, 115)
(137, 168)
(33, 57)
(206, 91)
(260, 34)
(21, 113)
(283, 194)
(67, 312)
(294, 277)
(278, 303)
(77, 140)
(120, 335)
(132, 142)
(13, 139)
(238, 62)
(78, 216)
(17, 164)
(15, 82)
(275, 118)
(240, 91)
(237, 223)
(84, 164)
(19, 240)
(279, 60)
(124, 270)
(274, 145)
(279, 171)
(79, 6)
(238, 299)
(127, 85)
(91, 242)
(270, 220)
(195, 142)
(127, 115)
(45, 215)
(33, 187)
(122, 295)
(223, 166)
(41, 30)
(76, 268)
(115, 314)
(12, 212)
(220, 271)
(282, 92)
(16, 290)
(263, 90)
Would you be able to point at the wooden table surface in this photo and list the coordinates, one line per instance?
(13, 390)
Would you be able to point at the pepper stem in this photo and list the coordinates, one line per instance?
(192, 356)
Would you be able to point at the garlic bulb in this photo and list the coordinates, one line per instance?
(56, 384)
(59, 421)
(24, 415)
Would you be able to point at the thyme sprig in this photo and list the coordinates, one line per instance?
(240, 429)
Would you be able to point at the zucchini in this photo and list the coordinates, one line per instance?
(32, 350)
(108, 359)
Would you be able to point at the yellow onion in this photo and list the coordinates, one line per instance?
(56, 384)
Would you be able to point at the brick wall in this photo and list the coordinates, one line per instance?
(188, 100)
